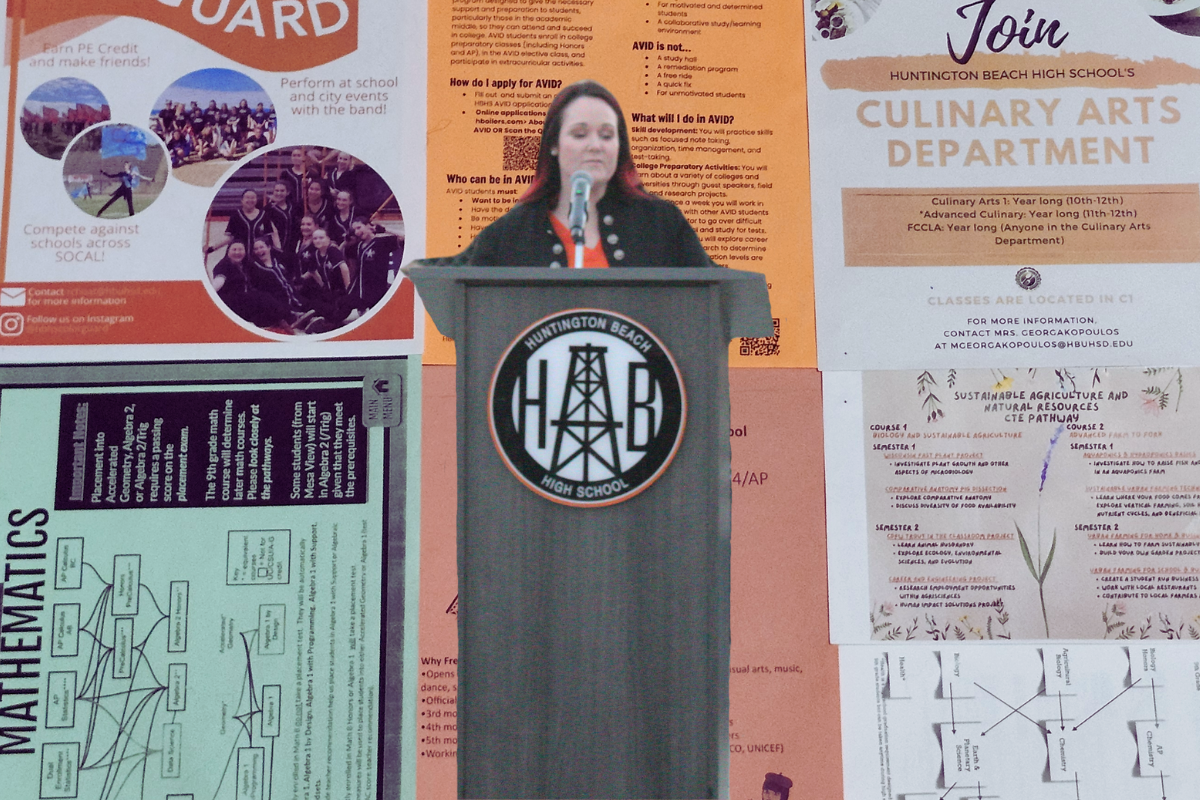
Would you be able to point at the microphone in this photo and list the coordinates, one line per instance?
(581, 189)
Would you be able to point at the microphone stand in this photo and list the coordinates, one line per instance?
(581, 187)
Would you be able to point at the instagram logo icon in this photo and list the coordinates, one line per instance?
(12, 324)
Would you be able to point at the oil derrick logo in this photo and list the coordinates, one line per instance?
(587, 407)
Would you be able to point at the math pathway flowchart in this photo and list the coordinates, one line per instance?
(122, 649)
(155, 645)
(234, 664)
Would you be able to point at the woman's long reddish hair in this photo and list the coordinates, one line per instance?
(547, 178)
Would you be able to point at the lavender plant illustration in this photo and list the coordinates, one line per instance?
(1157, 397)
(1112, 619)
(930, 403)
(1042, 568)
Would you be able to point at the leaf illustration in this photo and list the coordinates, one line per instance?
(1025, 552)
(1049, 557)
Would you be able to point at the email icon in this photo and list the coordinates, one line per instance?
(12, 296)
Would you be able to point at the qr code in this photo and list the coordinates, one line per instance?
(521, 152)
(761, 345)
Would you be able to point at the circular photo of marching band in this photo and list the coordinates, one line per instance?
(303, 241)
(209, 119)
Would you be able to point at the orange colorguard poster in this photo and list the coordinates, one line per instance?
(783, 686)
(713, 95)
(161, 158)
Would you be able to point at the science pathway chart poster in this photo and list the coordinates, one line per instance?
(1043, 722)
(1014, 504)
(997, 182)
(151, 146)
(713, 94)
(783, 671)
(208, 600)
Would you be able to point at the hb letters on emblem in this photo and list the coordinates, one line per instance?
(587, 407)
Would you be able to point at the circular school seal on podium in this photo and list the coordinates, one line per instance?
(587, 407)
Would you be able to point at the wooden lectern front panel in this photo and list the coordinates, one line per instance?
(594, 642)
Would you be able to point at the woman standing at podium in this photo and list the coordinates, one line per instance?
(626, 225)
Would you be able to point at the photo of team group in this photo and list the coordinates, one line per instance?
(58, 111)
(114, 170)
(303, 241)
(211, 118)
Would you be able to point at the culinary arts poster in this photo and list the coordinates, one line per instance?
(145, 148)
(996, 504)
(713, 95)
(202, 592)
(997, 182)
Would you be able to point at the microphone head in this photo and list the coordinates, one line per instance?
(581, 181)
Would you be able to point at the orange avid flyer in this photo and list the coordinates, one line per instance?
(713, 98)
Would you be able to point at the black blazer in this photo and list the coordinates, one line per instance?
(634, 231)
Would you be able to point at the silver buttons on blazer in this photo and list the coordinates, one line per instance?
(557, 248)
(613, 238)
(608, 220)
(619, 255)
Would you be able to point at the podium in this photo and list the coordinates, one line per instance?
(593, 525)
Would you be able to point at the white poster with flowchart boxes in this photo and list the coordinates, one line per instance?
(1056, 721)
(194, 595)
